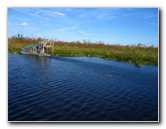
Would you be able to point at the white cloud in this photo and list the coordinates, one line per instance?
(73, 28)
(80, 32)
(37, 12)
(61, 30)
(129, 9)
(22, 24)
(154, 24)
(58, 14)
(100, 13)
(67, 29)
(149, 15)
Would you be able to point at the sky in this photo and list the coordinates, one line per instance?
(123, 26)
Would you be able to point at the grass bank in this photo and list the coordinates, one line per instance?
(130, 54)
(137, 55)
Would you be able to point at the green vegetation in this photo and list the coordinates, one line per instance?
(137, 55)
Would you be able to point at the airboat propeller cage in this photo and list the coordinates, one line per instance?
(41, 46)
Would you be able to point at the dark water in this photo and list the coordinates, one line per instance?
(80, 89)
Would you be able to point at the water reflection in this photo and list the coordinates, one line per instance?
(36, 59)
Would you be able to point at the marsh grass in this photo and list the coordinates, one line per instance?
(131, 54)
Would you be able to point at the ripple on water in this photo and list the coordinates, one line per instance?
(80, 89)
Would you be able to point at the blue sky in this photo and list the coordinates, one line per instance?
(124, 26)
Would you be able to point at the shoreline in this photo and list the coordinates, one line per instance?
(137, 65)
(134, 54)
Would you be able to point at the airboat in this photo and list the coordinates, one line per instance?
(43, 48)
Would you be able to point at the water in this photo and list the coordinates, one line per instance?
(80, 89)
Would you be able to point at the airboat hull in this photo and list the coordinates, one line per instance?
(33, 54)
(29, 53)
